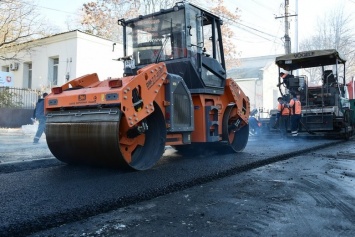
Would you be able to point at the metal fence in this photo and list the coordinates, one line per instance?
(11, 97)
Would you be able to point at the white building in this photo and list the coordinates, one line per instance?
(53, 60)
(258, 78)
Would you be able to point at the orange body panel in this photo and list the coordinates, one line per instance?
(148, 84)
(232, 94)
(83, 81)
(235, 94)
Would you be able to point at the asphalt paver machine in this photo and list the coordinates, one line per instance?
(321, 83)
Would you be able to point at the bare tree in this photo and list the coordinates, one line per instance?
(19, 23)
(334, 31)
(100, 18)
(150, 6)
(229, 18)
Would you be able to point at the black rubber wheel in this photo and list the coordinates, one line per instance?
(148, 154)
(237, 139)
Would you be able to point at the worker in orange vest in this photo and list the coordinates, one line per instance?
(283, 115)
(296, 108)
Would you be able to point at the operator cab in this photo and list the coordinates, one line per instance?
(185, 37)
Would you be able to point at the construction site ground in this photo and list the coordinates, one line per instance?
(308, 194)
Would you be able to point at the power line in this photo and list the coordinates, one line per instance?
(244, 27)
(253, 33)
(57, 10)
(49, 8)
(250, 29)
(263, 6)
(39, 6)
(248, 40)
(278, 30)
(261, 17)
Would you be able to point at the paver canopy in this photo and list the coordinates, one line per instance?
(307, 59)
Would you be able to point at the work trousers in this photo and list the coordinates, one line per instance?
(295, 121)
(41, 129)
(284, 121)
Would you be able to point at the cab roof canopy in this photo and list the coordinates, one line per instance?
(307, 59)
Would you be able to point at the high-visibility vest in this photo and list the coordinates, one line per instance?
(283, 110)
(295, 104)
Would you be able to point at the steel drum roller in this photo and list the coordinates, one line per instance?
(99, 137)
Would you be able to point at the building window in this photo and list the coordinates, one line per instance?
(27, 74)
(5, 68)
(53, 71)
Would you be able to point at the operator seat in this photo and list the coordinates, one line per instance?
(328, 77)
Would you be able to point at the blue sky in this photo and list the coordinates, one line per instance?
(263, 33)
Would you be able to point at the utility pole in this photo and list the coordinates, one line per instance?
(296, 28)
(287, 27)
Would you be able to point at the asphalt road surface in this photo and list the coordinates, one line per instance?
(272, 188)
(308, 195)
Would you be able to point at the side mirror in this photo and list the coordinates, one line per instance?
(121, 22)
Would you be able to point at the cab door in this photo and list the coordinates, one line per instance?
(206, 48)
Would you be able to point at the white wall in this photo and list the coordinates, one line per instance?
(270, 89)
(262, 92)
(95, 56)
(41, 71)
(78, 54)
(252, 88)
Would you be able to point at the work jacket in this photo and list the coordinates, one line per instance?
(295, 106)
(39, 110)
(283, 110)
